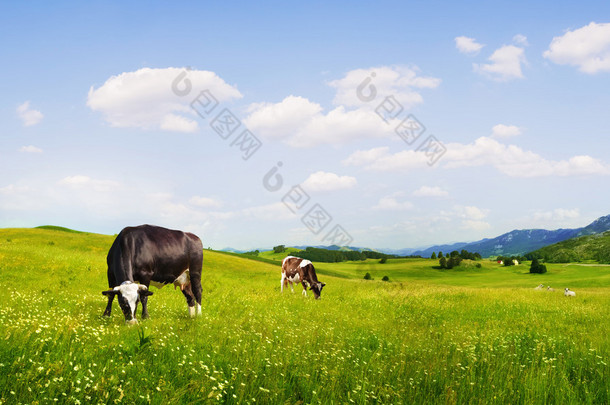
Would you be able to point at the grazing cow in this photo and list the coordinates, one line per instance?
(295, 270)
(148, 255)
(549, 288)
(569, 293)
(540, 287)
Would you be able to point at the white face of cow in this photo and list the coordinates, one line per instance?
(128, 295)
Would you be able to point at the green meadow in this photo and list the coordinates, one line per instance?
(468, 335)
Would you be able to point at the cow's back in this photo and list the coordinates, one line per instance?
(148, 252)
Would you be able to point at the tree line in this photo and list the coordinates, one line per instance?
(454, 258)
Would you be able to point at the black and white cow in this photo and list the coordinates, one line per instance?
(295, 270)
(151, 255)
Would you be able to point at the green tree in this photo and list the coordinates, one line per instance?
(433, 257)
(442, 262)
(383, 260)
(537, 267)
(279, 249)
(440, 254)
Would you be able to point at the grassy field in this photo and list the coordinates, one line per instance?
(472, 335)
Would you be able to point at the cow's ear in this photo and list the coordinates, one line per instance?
(145, 293)
(322, 285)
(110, 292)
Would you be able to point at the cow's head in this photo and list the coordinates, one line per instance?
(129, 294)
(317, 289)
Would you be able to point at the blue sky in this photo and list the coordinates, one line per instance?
(94, 138)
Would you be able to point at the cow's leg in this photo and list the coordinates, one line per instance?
(283, 282)
(109, 306)
(190, 299)
(144, 299)
(304, 288)
(196, 291)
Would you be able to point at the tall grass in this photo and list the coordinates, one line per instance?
(416, 341)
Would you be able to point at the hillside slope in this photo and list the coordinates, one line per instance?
(594, 247)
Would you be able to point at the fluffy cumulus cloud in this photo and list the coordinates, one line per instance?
(510, 160)
(505, 131)
(470, 217)
(505, 64)
(325, 181)
(393, 203)
(382, 160)
(299, 122)
(402, 82)
(30, 149)
(587, 47)
(520, 39)
(468, 46)
(29, 117)
(516, 162)
(145, 98)
(428, 191)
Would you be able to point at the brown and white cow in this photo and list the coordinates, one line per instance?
(295, 270)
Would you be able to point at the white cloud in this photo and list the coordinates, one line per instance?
(300, 123)
(510, 160)
(471, 212)
(391, 203)
(324, 181)
(558, 214)
(470, 217)
(505, 131)
(516, 162)
(205, 202)
(177, 123)
(144, 98)
(280, 120)
(397, 81)
(478, 226)
(520, 39)
(427, 191)
(587, 47)
(467, 45)
(505, 64)
(87, 183)
(30, 149)
(12, 189)
(380, 159)
(28, 116)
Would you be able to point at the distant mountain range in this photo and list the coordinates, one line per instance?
(519, 242)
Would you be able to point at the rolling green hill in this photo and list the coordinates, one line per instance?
(428, 336)
(594, 248)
